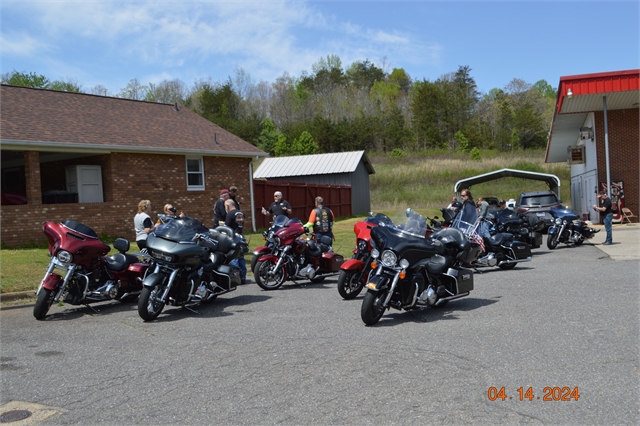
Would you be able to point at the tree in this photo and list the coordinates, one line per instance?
(99, 89)
(304, 145)
(363, 74)
(167, 92)
(268, 136)
(133, 90)
(32, 79)
(282, 148)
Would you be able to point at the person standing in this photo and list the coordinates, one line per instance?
(483, 210)
(233, 194)
(278, 207)
(219, 211)
(143, 224)
(235, 221)
(321, 219)
(606, 211)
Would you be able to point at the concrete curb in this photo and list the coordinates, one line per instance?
(18, 295)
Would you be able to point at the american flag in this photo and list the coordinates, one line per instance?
(476, 238)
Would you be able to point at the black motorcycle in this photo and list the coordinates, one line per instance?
(568, 228)
(525, 227)
(501, 249)
(412, 272)
(189, 265)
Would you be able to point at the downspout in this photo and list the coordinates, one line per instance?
(606, 145)
(253, 210)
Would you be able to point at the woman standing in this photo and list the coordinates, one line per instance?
(143, 224)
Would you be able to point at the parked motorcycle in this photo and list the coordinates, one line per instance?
(268, 236)
(355, 271)
(502, 250)
(412, 272)
(568, 228)
(189, 265)
(90, 275)
(525, 227)
(293, 250)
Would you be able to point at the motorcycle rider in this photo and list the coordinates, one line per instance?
(143, 224)
(219, 211)
(321, 219)
(278, 207)
(483, 210)
(606, 211)
(235, 221)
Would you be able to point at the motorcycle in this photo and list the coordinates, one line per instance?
(568, 228)
(413, 272)
(292, 251)
(90, 275)
(189, 265)
(502, 250)
(268, 236)
(525, 227)
(355, 271)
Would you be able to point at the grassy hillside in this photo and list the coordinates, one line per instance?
(426, 180)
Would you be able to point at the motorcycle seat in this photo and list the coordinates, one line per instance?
(120, 261)
(499, 238)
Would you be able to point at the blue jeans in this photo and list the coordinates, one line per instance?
(242, 264)
(607, 227)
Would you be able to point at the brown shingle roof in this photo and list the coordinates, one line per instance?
(47, 118)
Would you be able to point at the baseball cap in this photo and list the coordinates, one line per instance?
(224, 191)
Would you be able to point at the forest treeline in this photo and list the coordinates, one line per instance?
(360, 107)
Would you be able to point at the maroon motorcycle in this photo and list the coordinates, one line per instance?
(295, 257)
(89, 274)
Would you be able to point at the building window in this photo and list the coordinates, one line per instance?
(195, 174)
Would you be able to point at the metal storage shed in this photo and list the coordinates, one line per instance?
(340, 168)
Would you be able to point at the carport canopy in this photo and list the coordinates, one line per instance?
(553, 182)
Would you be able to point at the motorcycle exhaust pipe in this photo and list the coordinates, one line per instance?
(457, 296)
(505, 262)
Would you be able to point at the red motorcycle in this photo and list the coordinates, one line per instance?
(355, 271)
(90, 275)
(291, 251)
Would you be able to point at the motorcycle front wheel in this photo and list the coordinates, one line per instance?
(254, 260)
(43, 303)
(149, 304)
(266, 277)
(580, 241)
(349, 286)
(552, 241)
(371, 310)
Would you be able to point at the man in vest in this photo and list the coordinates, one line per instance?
(235, 221)
(321, 219)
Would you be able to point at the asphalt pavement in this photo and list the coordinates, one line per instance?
(553, 341)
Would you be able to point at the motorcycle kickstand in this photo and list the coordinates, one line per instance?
(192, 310)
(92, 308)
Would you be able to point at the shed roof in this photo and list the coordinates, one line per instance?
(578, 95)
(49, 120)
(317, 164)
(552, 181)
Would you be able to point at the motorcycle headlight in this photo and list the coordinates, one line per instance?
(161, 256)
(276, 242)
(389, 258)
(375, 253)
(64, 256)
(362, 245)
(269, 236)
(404, 263)
(558, 221)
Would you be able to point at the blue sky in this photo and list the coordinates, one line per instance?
(110, 43)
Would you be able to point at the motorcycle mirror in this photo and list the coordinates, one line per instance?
(409, 212)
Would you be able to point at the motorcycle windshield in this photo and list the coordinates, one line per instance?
(466, 220)
(378, 219)
(180, 229)
(292, 221)
(279, 221)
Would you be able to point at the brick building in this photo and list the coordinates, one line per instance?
(93, 158)
(600, 152)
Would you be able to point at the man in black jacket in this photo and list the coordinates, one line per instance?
(219, 211)
(606, 211)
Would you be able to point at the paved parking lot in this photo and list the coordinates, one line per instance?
(301, 355)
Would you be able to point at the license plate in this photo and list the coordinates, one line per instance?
(540, 214)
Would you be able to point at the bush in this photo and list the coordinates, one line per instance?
(475, 154)
(397, 152)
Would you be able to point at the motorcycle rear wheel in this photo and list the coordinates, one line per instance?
(43, 303)
(507, 266)
(580, 241)
(348, 287)
(371, 311)
(263, 278)
(149, 304)
(552, 241)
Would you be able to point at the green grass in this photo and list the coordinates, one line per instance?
(423, 181)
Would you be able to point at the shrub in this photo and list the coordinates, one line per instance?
(475, 154)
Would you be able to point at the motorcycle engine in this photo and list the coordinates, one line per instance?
(488, 260)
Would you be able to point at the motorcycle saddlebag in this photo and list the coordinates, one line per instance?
(227, 276)
(520, 250)
(536, 240)
(333, 261)
(463, 278)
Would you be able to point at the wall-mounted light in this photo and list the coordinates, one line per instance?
(586, 133)
(569, 93)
